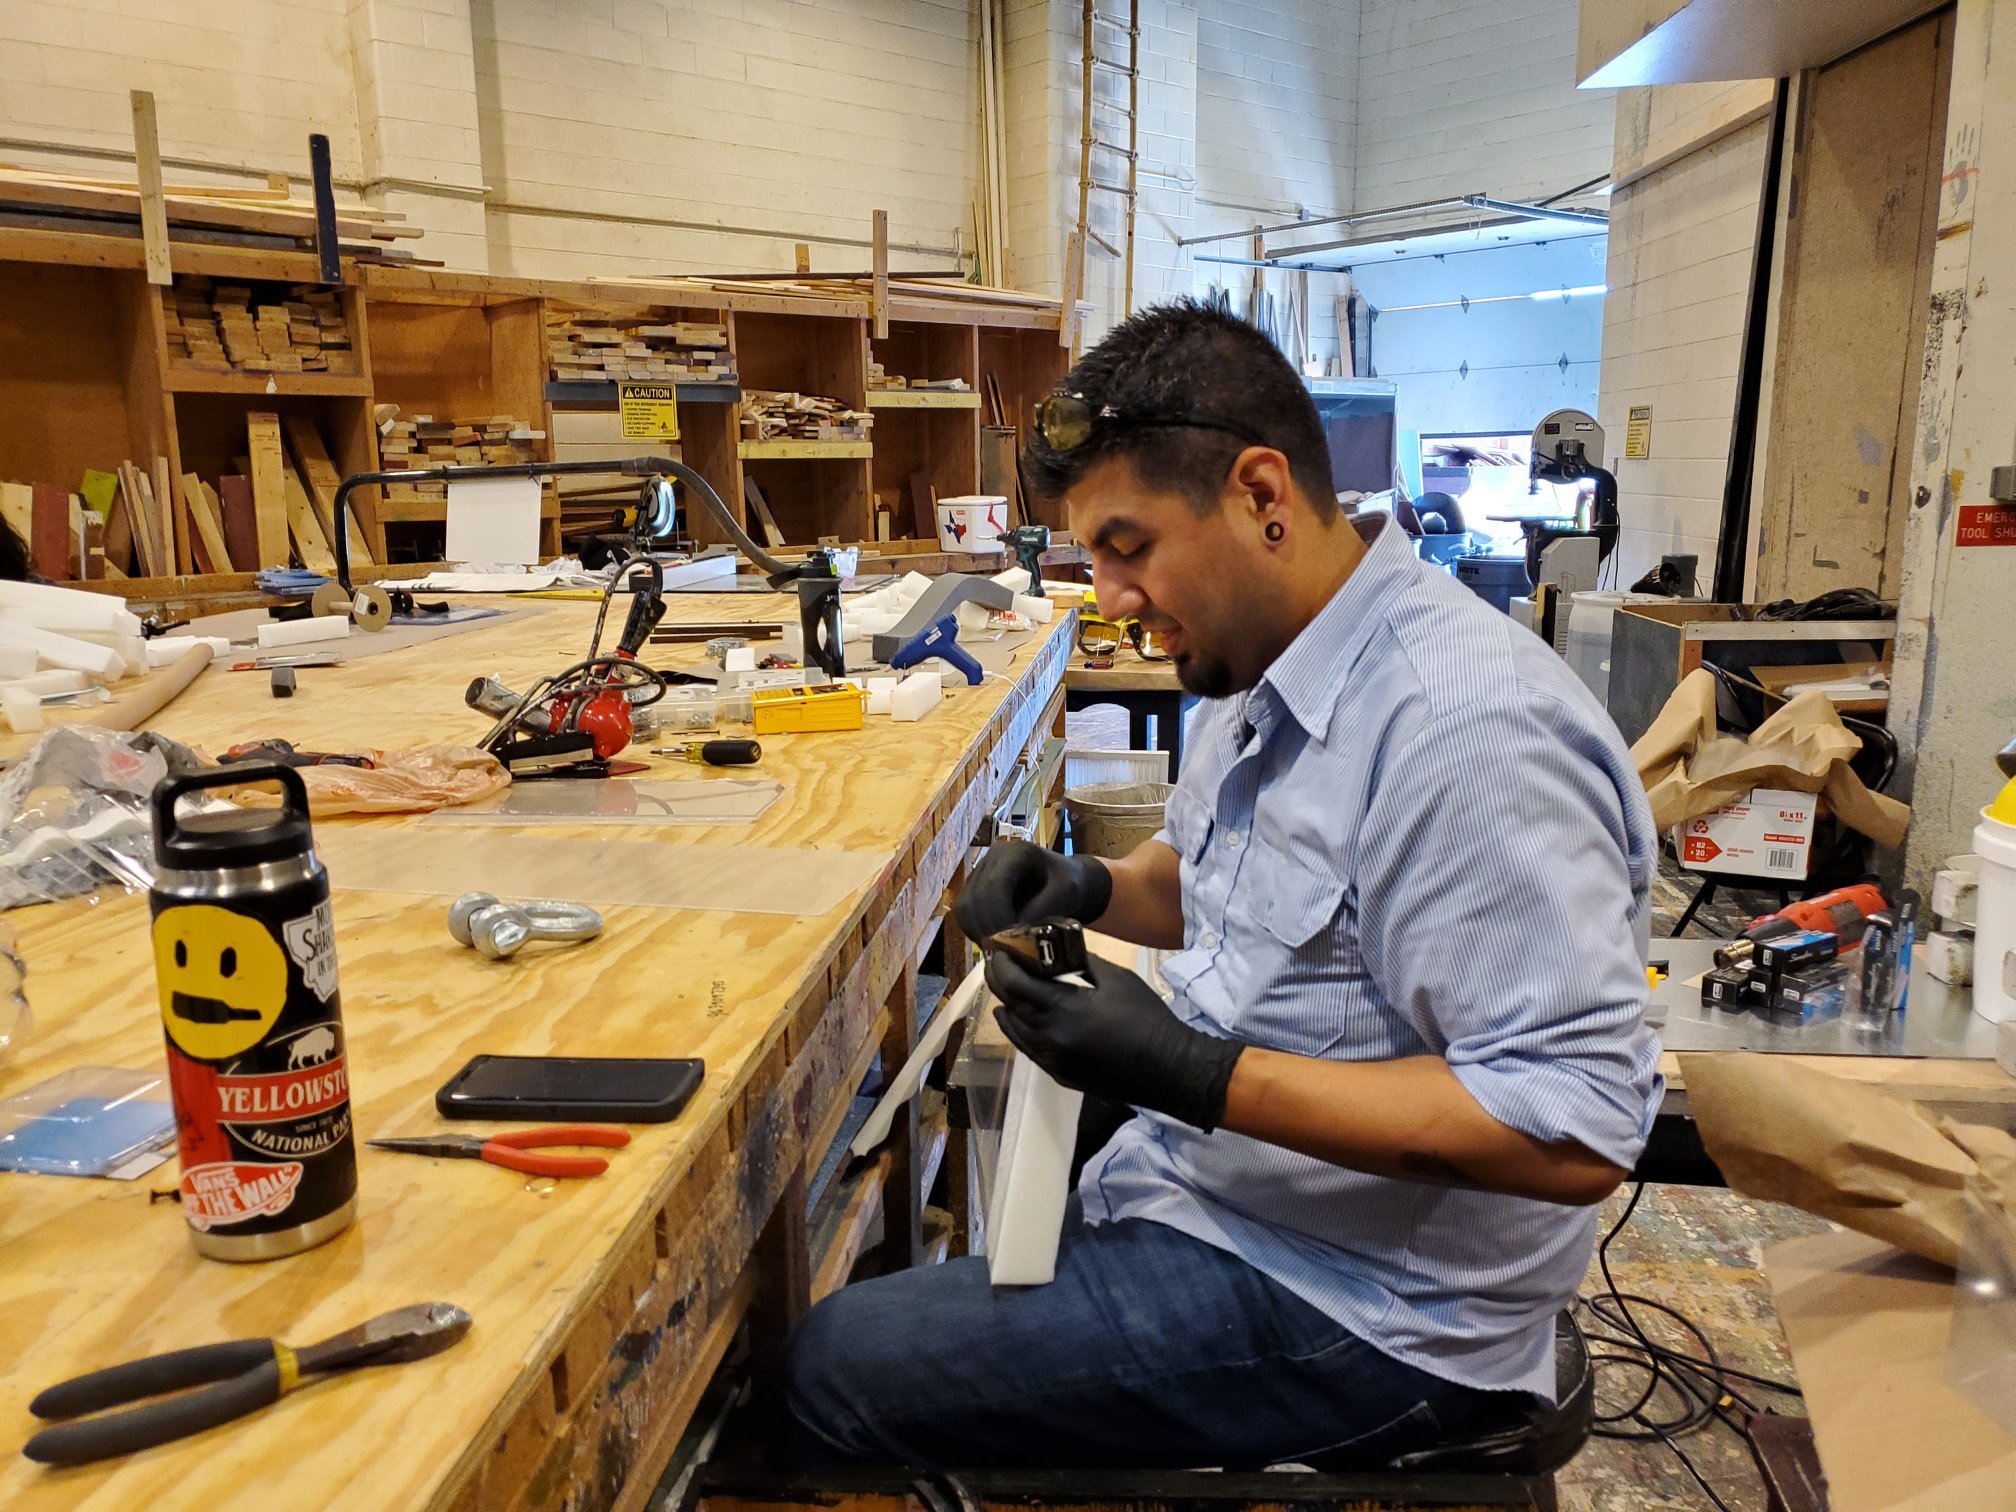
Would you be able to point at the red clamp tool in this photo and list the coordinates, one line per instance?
(515, 1151)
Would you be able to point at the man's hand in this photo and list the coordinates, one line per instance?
(1116, 1039)
(1020, 883)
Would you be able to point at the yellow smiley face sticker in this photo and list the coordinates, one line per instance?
(223, 979)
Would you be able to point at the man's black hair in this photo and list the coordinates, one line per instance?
(1188, 357)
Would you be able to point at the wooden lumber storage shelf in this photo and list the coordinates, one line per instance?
(88, 380)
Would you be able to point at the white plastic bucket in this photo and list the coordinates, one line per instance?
(1995, 921)
(1110, 818)
(972, 522)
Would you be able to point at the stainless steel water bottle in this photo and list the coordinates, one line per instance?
(245, 956)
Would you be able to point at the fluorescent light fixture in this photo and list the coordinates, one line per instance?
(1575, 293)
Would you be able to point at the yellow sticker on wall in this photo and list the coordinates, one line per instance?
(650, 411)
(1638, 433)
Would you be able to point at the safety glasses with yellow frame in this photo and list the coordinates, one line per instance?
(1103, 637)
(1066, 422)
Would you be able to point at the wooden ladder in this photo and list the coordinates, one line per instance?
(1090, 142)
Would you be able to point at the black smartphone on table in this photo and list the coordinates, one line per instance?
(570, 1088)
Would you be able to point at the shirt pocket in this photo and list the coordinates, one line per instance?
(1188, 823)
(1286, 958)
(1289, 901)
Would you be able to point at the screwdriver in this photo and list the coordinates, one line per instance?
(715, 752)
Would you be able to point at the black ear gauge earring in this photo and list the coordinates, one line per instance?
(1274, 531)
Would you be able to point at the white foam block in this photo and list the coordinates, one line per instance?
(21, 709)
(17, 661)
(879, 691)
(42, 684)
(1032, 1182)
(56, 650)
(1038, 610)
(915, 696)
(296, 632)
(66, 608)
(170, 648)
(740, 659)
(132, 647)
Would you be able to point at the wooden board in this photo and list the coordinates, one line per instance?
(601, 1306)
(92, 547)
(17, 508)
(240, 513)
(207, 533)
(269, 488)
(153, 205)
(320, 477)
(49, 537)
(138, 495)
(1865, 161)
(172, 520)
(311, 542)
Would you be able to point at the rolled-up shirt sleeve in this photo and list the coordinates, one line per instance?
(1501, 892)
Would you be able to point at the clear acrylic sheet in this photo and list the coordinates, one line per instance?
(654, 873)
(617, 800)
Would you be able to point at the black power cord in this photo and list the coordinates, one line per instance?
(1702, 1383)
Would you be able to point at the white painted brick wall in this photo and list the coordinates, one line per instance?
(1681, 243)
(234, 81)
(1470, 96)
(765, 114)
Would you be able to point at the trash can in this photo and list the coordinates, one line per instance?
(1110, 818)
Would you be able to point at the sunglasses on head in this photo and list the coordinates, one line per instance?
(1066, 422)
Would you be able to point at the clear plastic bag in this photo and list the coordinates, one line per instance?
(88, 1121)
(74, 812)
(14, 1016)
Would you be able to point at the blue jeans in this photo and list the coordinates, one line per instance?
(1151, 1349)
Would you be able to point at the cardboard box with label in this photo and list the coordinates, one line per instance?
(1768, 834)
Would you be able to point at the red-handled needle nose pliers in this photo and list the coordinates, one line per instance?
(516, 1151)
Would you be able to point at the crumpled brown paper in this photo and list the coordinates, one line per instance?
(1689, 769)
(1860, 1156)
(427, 777)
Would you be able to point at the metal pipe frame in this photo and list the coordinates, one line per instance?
(629, 467)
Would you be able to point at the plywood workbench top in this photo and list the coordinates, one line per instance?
(91, 1273)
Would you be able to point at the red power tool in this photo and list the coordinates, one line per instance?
(595, 696)
(1843, 913)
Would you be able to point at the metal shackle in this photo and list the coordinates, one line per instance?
(499, 929)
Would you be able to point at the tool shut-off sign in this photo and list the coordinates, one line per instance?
(650, 411)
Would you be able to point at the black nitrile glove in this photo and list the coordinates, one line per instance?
(1115, 1039)
(1020, 883)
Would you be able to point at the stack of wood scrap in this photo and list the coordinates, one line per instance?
(132, 521)
(417, 443)
(271, 218)
(879, 377)
(928, 295)
(586, 347)
(768, 415)
(256, 328)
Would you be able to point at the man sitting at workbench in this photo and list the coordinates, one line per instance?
(1404, 875)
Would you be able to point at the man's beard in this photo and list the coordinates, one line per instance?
(1206, 676)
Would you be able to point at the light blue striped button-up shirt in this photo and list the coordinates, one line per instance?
(1417, 835)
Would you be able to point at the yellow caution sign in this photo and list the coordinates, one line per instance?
(1638, 433)
(650, 411)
